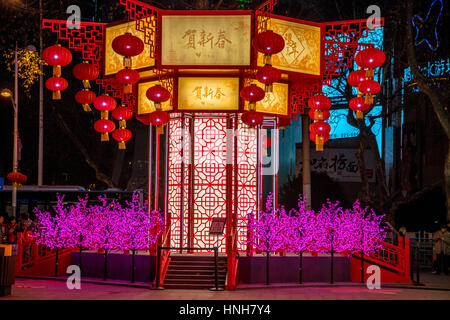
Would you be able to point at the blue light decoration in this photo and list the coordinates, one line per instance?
(421, 24)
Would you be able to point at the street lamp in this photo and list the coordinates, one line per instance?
(6, 93)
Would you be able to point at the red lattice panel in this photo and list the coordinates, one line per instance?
(247, 156)
(210, 183)
(179, 146)
(209, 178)
(146, 17)
(114, 89)
(88, 38)
(301, 91)
(341, 44)
(263, 11)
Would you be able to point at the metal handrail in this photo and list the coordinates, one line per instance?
(158, 267)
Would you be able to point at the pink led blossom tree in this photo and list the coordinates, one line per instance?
(108, 226)
(267, 231)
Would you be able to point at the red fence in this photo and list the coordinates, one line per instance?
(394, 262)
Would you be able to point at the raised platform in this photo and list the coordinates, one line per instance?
(119, 266)
(286, 269)
(251, 270)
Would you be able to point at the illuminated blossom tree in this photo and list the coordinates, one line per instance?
(138, 229)
(267, 231)
(107, 225)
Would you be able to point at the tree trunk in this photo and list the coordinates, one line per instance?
(447, 181)
(440, 110)
(365, 192)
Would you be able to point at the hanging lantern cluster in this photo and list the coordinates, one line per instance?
(158, 118)
(17, 179)
(122, 135)
(319, 112)
(252, 94)
(57, 57)
(127, 46)
(104, 104)
(268, 43)
(85, 72)
(368, 59)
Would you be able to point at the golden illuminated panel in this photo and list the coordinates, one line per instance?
(206, 40)
(147, 74)
(208, 70)
(114, 61)
(302, 47)
(276, 102)
(144, 104)
(196, 93)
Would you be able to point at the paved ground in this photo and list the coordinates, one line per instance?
(32, 289)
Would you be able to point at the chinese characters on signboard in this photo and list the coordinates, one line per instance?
(206, 40)
(275, 102)
(339, 164)
(209, 93)
(302, 50)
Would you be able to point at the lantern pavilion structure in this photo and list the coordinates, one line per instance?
(214, 134)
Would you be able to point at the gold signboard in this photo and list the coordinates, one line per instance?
(114, 61)
(302, 51)
(144, 105)
(205, 40)
(275, 102)
(196, 93)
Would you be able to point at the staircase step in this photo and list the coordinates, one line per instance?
(191, 267)
(190, 286)
(195, 272)
(196, 277)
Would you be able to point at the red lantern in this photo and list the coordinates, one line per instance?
(252, 118)
(57, 57)
(320, 102)
(56, 84)
(85, 97)
(17, 178)
(252, 93)
(158, 95)
(319, 115)
(356, 77)
(369, 88)
(370, 59)
(121, 135)
(104, 126)
(105, 103)
(320, 129)
(85, 72)
(268, 75)
(269, 43)
(122, 114)
(319, 140)
(128, 46)
(127, 77)
(159, 118)
(359, 105)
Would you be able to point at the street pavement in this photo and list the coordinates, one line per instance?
(433, 288)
